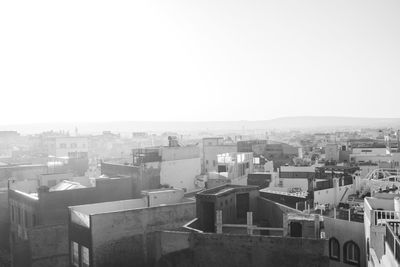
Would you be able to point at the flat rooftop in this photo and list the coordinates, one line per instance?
(226, 189)
(284, 191)
(113, 206)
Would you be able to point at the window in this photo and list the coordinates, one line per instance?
(334, 249)
(74, 254)
(351, 253)
(84, 256)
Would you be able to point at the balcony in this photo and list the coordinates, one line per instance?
(392, 238)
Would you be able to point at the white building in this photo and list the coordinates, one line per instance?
(180, 166)
(67, 146)
(211, 147)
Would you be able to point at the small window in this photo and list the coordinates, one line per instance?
(351, 253)
(74, 254)
(334, 249)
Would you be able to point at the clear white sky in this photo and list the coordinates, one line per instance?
(198, 60)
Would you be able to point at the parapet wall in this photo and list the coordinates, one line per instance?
(216, 250)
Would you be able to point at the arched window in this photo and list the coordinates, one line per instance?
(351, 253)
(334, 249)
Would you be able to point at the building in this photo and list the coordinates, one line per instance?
(39, 220)
(332, 152)
(381, 221)
(245, 230)
(144, 175)
(211, 148)
(297, 177)
(234, 202)
(179, 165)
(67, 146)
(123, 233)
(20, 172)
(280, 153)
(247, 146)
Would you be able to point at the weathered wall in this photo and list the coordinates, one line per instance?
(283, 199)
(218, 250)
(53, 205)
(345, 231)
(143, 177)
(125, 238)
(180, 173)
(271, 213)
(49, 246)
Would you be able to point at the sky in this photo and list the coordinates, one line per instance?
(208, 60)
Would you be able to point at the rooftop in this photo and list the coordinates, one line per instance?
(226, 189)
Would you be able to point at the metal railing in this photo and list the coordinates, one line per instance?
(392, 238)
(381, 216)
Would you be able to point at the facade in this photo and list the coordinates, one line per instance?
(211, 148)
(381, 222)
(296, 177)
(20, 172)
(179, 165)
(234, 202)
(72, 147)
(332, 152)
(235, 167)
(144, 175)
(346, 242)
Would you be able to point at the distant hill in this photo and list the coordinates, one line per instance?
(284, 123)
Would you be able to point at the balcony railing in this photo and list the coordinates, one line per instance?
(381, 216)
(392, 238)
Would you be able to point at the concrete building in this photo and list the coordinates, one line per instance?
(332, 152)
(39, 220)
(381, 222)
(346, 242)
(123, 233)
(279, 153)
(211, 148)
(235, 167)
(255, 239)
(179, 165)
(144, 175)
(247, 146)
(297, 177)
(68, 146)
(234, 202)
(20, 172)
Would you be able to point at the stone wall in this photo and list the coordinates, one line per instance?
(49, 246)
